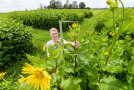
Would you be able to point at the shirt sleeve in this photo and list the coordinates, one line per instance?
(65, 42)
(47, 45)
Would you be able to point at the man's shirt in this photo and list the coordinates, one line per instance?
(49, 43)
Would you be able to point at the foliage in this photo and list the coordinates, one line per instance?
(104, 20)
(81, 68)
(103, 61)
(117, 75)
(55, 4)
(99, 26)
(82, 5)
(48, 18)
(15, 41)
(74, 4)
(65, 6)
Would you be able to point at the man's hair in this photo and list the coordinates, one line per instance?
(53, 29)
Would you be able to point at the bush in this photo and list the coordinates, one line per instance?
(99, 26)
(15, 41)
(48, 18)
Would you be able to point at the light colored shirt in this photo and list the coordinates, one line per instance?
(51, 42)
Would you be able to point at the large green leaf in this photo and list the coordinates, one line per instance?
(111, 83)
(131, 67)
(71, 84)
(127, 27)
(131, 86)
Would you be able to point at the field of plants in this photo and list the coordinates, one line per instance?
(103, 61)
(47, 18)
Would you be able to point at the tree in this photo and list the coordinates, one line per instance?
(44, 7)
(49, 6)
(55, 4)
(58, 4)
(67, 2)
(82, 5)
(88, 8)
(52, 4)
(70, 6)
(65, 6)
(41, 6)
(75, 4)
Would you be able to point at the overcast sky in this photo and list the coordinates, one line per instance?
(19, 5)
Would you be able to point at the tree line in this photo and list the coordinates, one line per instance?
(57, 4)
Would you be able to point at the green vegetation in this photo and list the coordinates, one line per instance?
(47, 18)
(104, 60)
(15, 42)
(3, 15)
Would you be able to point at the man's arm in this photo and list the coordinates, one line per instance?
(47, 45)
(48, 54)
(73, 44)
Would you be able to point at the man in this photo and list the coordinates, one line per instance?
(54, 36)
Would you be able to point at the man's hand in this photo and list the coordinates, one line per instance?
(75, 45)
(48, 54)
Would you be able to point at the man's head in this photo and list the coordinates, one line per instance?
(54, 33)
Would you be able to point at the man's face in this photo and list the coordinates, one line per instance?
(54, 35)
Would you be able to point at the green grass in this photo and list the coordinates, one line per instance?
(40, 36)
(88, 23)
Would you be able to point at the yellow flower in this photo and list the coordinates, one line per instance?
(109, 2)
(2, 74)
(57, 40)
(44, 47)
(74, 25)
(21, 80)
(111, 33)
(38, 77)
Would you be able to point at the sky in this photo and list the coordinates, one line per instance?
(21, 5)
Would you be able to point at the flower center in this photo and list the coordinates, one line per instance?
(38, 74)
(74, 25)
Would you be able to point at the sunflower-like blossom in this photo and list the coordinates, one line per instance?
(38, 77)
(109, 2)
(2, 74)
(44, 47)
(57, 40)
(111, 33)
(74, 25)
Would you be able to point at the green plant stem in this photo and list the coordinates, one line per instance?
(114, 22)
(58, 85)
(122, 13)
(75, 53)
(110, 50)
(75, 56)
(100, 76)
(3, 79)
(56, 65)
(108, 56)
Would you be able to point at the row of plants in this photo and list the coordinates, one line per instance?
(15, 42)
(47, 18)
